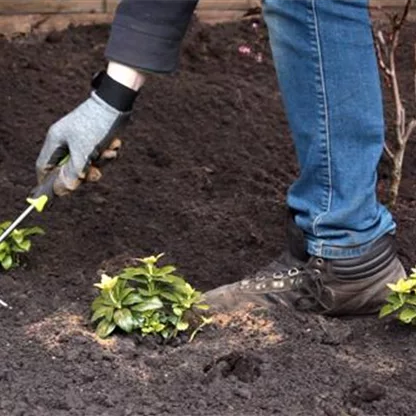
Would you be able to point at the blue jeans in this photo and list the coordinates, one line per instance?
(327, 70)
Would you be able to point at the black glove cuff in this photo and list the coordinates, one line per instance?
(113, 93)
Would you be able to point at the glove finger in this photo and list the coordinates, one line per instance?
(69, 178)
(109, 154)
(94, 174)
(48, 161)
(115, 144)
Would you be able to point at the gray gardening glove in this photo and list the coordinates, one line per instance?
(88, 135)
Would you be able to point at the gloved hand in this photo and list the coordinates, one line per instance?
(87, 134)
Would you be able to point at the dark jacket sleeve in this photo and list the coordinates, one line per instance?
(147, 34)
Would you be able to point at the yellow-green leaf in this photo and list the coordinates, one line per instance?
(7, 262)
(32, 231)
(25, 245)
(407, 315)
(411, 300)
(182, 326)
(103, 311)
(151, 260)
(165, 270)
(202, 306)
(124, 319)
(132, 299)
(386, 310)
(402, 285)
(105, 328)
(153, 303)
(177, 311)
(17, 236)
(169, 296)
(107, 283)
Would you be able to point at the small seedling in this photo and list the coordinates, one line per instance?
(402, 300)
(16, 243)
(150, 300)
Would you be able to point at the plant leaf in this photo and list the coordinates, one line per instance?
(107, 282)
(32, 231)
(182, 326)
(138, 274)
(402, 285)
(103, 311)
(102, 300)
(25, 245)
(151, 260)
(105, 328)
(150, 304)
(177, 311)
(147, 293)
(169, 296)
(201, 306)
(386, 310)
(164, 270)
(17, 236)
(132, 299)
(4, 225)
(7, 262)
(175, 280)
(126, 292)
(411, 300)
(393, 298)
(407, 315)
(124, 319)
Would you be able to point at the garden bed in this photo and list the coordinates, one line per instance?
(206, 164)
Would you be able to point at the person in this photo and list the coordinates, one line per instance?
(341, 249)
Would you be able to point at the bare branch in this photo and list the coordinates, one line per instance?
(388, 152)
(378, 43)
(387, 63)
(405, 13)
(410, 128)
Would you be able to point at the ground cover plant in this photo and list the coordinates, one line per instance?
(402, 300)
(16, 243)
(203, 177)
(149, 300)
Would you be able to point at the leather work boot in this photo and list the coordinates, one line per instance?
(353, 286)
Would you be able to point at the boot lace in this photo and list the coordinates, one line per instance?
(305, 281)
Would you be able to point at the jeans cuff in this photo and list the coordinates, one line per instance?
(321, 248)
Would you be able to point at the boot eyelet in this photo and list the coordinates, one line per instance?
(319, 261)
(293, 272)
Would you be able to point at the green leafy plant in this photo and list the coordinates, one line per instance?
(402, 300)
(16, 243)
(149, 300)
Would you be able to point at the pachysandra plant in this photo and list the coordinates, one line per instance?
(401, 301)
(16, 243)
(149, 300)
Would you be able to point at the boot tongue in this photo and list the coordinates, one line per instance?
(296, 240)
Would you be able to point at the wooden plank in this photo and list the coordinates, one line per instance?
(40, 23)
(227, 4)
(51, 6)
(111, 5)
(217, 16)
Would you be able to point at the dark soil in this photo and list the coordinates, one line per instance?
(203, 175)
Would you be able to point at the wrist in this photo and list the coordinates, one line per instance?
(125, 75)
(113, 93)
